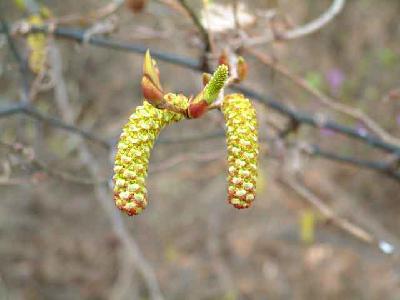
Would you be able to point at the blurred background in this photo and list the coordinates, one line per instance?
(315, 237)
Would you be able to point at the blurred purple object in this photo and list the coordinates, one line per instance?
(335, 78)
(327, 132)
(361, 130)
(398, 119)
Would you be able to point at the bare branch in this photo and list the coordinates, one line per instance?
(103, 12)
(22, 64)
(102, 193)
(315, 25)
(37, 115)
(197, 22)
(325, 99)
(327, 212)
(52, 172)
(298, 32)
(312, 120)
(378, 166)
(204, 33)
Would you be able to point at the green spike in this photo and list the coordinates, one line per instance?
(216, 84)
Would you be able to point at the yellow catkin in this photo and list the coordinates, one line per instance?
(134, 147)
(37, 43)
(243, 147)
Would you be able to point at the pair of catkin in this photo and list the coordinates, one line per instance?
(144, 125)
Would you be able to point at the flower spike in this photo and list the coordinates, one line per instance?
(134, 147)
(216, 84)
(38, 42)
(243, 147)
(199, 105)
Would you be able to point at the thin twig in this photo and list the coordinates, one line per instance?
(369, 139)
(181, 158)
(315, 25)
(378, 166)
(301, 31)
(102, 193)
(22, 64)
(50, 171)
(203, 31)
(90, 17)
(55, 122)
(325, 99)
(327, 212)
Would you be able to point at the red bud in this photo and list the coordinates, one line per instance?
(224, 59)
(150, 92)
(136, 6)
(197, 109)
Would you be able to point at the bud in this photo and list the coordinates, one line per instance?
(136, 6)
(224, 59)
(132, 158)
(243, 147)
(151, 92)
(206, 78)
(197, 109)
(242, 69)
(199, 105)
(151, 86)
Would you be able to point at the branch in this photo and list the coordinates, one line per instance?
(301, 31)
(22, 64)
(330, 215)
(312, 150)
(314, 121)
(308, 119)
(200, 27)
(66, 176)
(326, 100)
(102, 192)
(315, 25)
(381, 167)
(37, 115)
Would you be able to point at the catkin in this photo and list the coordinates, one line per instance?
(243, 147)
(37, 43)
(134, 147)
(216, 83)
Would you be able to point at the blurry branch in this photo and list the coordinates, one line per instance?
(381, 167)
(292, 182)
(301, 31)
(385, 168)
(304, 118)
(325, 99)
(22, 64)
(90, 17)
(374, 239)
(50, 171)
(191, 138)
(102, 192)
(132, 248)
(34, 113)
(297, 117)
(315, 25)
(214, 245)
(315, 121)
(181, 158)
(204, 33)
